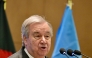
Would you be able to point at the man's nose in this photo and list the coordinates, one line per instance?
(43, 40)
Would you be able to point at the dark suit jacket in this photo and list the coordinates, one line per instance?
(20, 54)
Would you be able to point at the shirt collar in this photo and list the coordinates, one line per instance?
(28, 53)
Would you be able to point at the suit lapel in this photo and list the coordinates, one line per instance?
(24, 55)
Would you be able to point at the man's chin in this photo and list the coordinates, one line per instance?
(43, 53)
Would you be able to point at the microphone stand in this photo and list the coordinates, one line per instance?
(85, 56)
(64, 53)
(75, 55)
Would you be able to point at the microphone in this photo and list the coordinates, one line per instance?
(79, 53)
(71, 53)
(63, 51)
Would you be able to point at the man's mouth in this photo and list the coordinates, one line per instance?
(43, 48)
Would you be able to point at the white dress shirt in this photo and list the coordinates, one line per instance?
(28, 53)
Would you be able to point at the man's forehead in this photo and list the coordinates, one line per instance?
(41, 31)
(39, 27)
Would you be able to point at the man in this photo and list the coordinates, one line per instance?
(36, 38)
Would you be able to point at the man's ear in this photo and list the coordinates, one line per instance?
(25, 40)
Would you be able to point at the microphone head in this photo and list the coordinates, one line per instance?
(77, 52)
(70, 52)
(62, 51)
